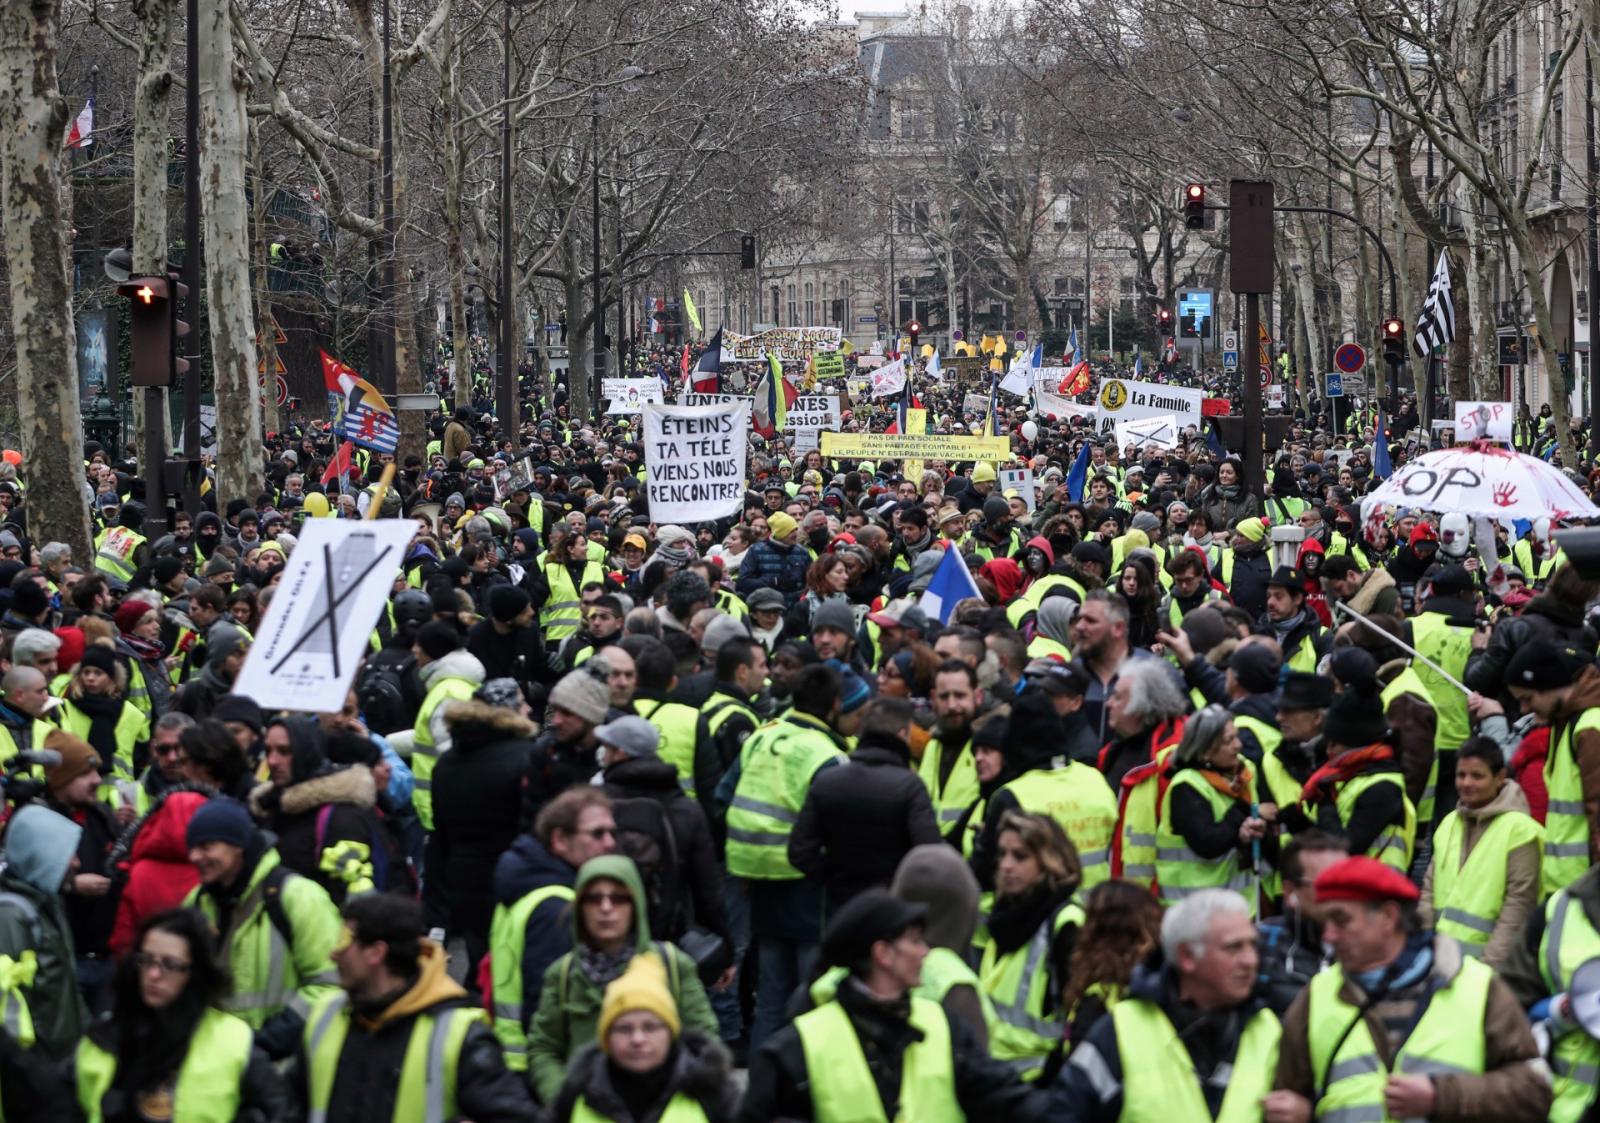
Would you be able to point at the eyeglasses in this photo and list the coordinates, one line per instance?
(144, 961)
(603, 897)
(166, 750)
(598, 833)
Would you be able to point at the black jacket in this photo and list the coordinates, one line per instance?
(653, 778)
(858, 821)
(699, 1069)
(477, 804)
(292, 813)
(518, 655)
(92, 918)
(1248, 584)
(1092, 1092)
(1544, 618)
(714, 755)
(525, 867)
(780, 1087)
(1291, 953)
(553, 768)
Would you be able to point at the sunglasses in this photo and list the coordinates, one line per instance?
(602, 897)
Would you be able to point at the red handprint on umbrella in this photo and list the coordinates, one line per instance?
(1505, 494)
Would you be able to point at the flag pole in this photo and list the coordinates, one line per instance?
(1340, 606)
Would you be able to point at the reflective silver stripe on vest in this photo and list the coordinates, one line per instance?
(12, 1012)
(770, 810)
(1240, 883)
(319, 1114)
(1427, 1066)
(1176, 854)
(1566, 850)
(436, 1044)
(1566, 807)
(758, 838)
(1138, 869)
(951, 814)
(1138, 838)
(1087, 1060)
(1468, 920)
(1365, 1113)
(420, 784)
(1360, 1065)
(1015, 1013)
(1558, 924)
(511, 1010)
(1101, 857)
(1584, 1074)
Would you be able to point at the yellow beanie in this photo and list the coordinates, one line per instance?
(782, 525)
(1253, 529)
(643, 986)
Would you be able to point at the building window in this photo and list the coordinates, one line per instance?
(811, 306)
(793, 309)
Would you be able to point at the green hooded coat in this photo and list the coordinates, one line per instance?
(568, 1017)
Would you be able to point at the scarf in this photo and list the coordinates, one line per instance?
(600, 967)
(675, 556)
(1281, 629)
(1346, 766)
(103, 711)
(1241, 786)
(1014, 920)
(143, 648)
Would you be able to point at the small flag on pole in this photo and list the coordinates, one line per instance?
(935, 369)
(1436, 323)
(81, 135)
(1078, 475)
(707, 374)
(952, 583)
(366, 418)
(691, 311)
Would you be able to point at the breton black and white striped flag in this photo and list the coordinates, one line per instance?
(1436, 323)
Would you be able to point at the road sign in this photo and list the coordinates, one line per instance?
(866, 319)
(282, 389)
(1335, 384)
(1266, 375)
(1350, 357)
(1230, 360)
(1230, 341)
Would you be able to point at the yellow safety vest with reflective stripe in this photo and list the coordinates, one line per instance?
(960, 790)
(562, 614)
(676, 723)
(114, 550)
(1467, 896)
(1538, 573)
(944, 969)
(1160, 1084)
(1281, 787)
(1449, 646)
(1030, 600)
(265, 969)
(207, 1088)
(1016, 983)
(842, 1086)
(426, 1091)
(1448, 1040)
(776, 767)
(1304, 656)
(730, 603)
(1393, 845)
(132, 728)
(507, 936)
(1179, 870)
(1568, 943)
(1138, 812)
(1409, 682)
(1077, 797)
(1339, 544)
(1566, 823)
(9, 747)
(1041, 647)
(680, 1109)
(424, 753)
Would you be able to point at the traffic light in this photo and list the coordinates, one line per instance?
(1194, 206)
(150, 310)
(1394, 340)
(1164, 319)
(180, 328)
(747, 252)
(914, 329)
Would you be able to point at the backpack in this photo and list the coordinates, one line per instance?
(381, 695)
(645, 834)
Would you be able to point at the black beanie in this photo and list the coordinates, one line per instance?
(1355, 720)
(166, 568)
(28, 599)
(438, 638)
(506, 602)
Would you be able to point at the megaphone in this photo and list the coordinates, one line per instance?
(1583, 995)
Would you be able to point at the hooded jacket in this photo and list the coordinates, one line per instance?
(1546, 617)
(365, 1085)
(294, 812)
(697, 1067)
(1522, 872)
(568, 1017)
(526, 867)
(152, 860)
(858, 821)
(937, 877)
(476, 804)
(40, 845)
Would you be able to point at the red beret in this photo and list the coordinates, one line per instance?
(1364, 879)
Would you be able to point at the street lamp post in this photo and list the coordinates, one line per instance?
(386, 371)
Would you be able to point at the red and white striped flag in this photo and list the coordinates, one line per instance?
(81, 133)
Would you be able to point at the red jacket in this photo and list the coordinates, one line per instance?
(1527, 769)
(158, 870)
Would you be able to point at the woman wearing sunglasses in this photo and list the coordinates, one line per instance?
(165, 1050)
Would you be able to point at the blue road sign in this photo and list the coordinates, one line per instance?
(1335, 384)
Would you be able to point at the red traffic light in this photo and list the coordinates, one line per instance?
(1394, 329)
(914, 329)
(1194, 206)
(1197, 191)
(1164, 315)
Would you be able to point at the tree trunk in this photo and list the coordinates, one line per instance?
(151, 117)
(580, 355)
(1482, 264)
(266, 324)
(223, 139)
(1560, 392)
(33, 213)
(455, 246)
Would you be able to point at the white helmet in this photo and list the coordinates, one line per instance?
(1455, 535)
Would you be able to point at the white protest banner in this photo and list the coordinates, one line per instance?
(889, 380)
(1020, 480)
(1047, 403)
(791, 345)
(694, 461)
(714, 399)
(628, 395)
(333, 589)
(1120, 400)
(816, 411)
(1486, 420)
(975, 403)
(807, 439)
(1162, 432)
(1048, 378)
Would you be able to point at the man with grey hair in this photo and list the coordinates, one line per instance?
(1191, 1039)
(54, 559)
(1141, 716)
(166, 768)
(37, 648)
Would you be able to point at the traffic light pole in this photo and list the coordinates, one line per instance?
(191, 252)
(1255, 469)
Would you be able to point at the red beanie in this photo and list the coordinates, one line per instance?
(130, 612)
(72, 642)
